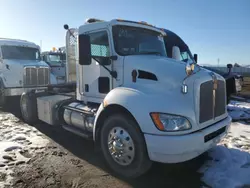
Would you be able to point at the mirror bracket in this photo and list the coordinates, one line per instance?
(113, 57)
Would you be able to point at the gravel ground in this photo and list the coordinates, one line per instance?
(53, 157)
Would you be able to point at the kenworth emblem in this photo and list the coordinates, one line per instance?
(215, 85)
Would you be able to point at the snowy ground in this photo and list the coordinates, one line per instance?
(230, 164)
(44, 157)
(16, 145)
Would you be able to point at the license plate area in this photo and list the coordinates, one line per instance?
(214, 134)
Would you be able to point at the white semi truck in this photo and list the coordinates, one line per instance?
(137, 104)
(21, 68)
(56, 59)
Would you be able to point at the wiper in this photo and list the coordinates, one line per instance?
(157, 53)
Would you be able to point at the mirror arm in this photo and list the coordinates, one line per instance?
(112, 73)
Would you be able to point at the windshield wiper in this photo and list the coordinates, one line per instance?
(157, 53)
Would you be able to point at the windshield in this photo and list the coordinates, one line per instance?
(134, 41)
(56, 58)
(21, 53)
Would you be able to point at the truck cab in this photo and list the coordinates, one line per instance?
(21, 68)
(134, 101)
(57, 62)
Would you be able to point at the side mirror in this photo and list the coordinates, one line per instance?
(229, 66)
(66, 27)
(84, 50)
(196, 58)
(176, 53)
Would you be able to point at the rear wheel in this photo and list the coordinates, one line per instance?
(28, 108)
(3, 98)
(123, 146)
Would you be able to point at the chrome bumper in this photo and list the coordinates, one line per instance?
(19, 91)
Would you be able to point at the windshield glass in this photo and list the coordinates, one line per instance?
(134, 41)
(21, 53)
(56, 58)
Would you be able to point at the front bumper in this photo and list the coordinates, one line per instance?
(175, 149)
(19, 91)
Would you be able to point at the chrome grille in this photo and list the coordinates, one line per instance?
(36, 76)
(209, 110)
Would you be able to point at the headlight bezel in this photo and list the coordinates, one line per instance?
(157, 120)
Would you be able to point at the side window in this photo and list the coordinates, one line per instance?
(184, 56)
(99, 44)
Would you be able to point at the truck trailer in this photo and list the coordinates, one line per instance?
(137, 104)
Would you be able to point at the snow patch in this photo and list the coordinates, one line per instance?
(8, 158)
(239, 110)
(230, 164)
(18, 142)
(229, 168)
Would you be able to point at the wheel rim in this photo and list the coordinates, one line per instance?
(121, 146)
(24, 107)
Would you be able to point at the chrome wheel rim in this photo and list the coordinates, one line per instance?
(121, 146)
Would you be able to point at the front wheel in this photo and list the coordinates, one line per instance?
(28, 108)
(124, 147)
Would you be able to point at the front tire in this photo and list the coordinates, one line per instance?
(123, 146)
(28, 107)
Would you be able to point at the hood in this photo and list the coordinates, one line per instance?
(24, 63)
(168, 71)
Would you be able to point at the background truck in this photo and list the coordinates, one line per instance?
(171, 40)
(21, 68)
(56, 59)
(137, 104)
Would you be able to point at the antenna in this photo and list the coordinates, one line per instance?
(41, 43)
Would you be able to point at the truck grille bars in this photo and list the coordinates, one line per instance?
(36, 76)
(212, 100)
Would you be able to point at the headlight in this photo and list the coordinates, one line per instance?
(167, 122)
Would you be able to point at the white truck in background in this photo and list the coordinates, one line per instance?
(21, 68)
(137, 104)
(56, 59)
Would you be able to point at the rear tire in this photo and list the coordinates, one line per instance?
(28, 107)
(138, 161)
(3, 98)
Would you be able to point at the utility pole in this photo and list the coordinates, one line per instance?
(218, 60)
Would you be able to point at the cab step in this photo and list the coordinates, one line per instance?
(78, 131)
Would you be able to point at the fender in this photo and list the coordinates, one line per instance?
(130, 99)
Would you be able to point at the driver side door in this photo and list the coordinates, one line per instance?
(97, 81)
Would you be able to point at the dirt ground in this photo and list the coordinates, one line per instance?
(69, 161)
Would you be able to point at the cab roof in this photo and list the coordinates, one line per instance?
(17, 42)
(97, 24)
